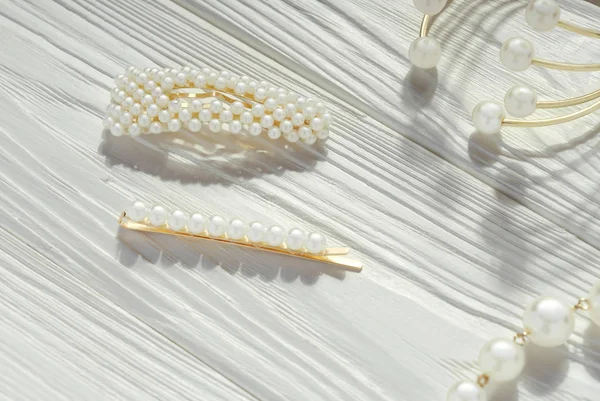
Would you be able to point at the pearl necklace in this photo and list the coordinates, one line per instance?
(547, 322)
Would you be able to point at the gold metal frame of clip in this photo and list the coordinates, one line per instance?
(332, 255)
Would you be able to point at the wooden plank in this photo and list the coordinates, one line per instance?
(449, 261)
(357, 50)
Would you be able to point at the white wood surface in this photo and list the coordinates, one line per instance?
(455, 239)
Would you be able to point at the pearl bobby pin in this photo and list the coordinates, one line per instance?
(296, 243)
(152, 101)
(548, 322)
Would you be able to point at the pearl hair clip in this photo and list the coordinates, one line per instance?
(548, 322)
(517, 54)
(152, 101)
(255, 235)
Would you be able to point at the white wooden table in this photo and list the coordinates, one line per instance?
(456, 234)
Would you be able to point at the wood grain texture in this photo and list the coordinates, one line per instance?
(91, 312)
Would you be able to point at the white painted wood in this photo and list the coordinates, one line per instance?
(88, 312)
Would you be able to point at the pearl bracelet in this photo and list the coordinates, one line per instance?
(295, 242)
(152, 101)
(548, 322)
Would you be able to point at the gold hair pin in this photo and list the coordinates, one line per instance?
(256, 235)
(517, 54)
(152, 101)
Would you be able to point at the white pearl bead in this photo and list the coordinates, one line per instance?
(167, 83)
(255, 129)
(425, 52)
(429, 7)
(466, 391)
(291, 136)
(260, 94)
(217, 226)
(309, 112)
(235, 127)
(144, 121)
(258, 110)
(147, 100)
(156, 128)
(256, 231)
(279, 114)
(174, 106)
(194, 125)
(520, 101)
(237, 108)
(502, 359)
(542, 15)
(127, 103)
(152, 110)
(267, 121)
(205, 115)
(131, 87)
(240, 89)
(286, 126)
(315, 243)
(116, 129)
(177, 220)
(134, 130)
(274, 133)
(295, 239)
(549, 321)
(158, 216)
(226, 116)
(184, 115)
(216, 106)
(212, 78)
(196, 224)
(136, 109)
(316, 124)
(246, 117)
(108, 122)
(290, 110)
(298, 119)
(304, 132)
(237, 229)
(270, 104)
(174, 125)
(164, 116)
(180, 79)
(214, 125)
(200, 81)
(594, 301)
(517, 54)
(275, 236)
(310, 140)
(195, 106)
(488, 117)
(221, 83)
(137, 211)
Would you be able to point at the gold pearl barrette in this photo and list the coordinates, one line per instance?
(153, 101)
(295, 242)
(517, 54)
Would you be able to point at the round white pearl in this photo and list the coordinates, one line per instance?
(246, 117)
(217, 226)
(594, 301)
(152, 110)
(194, 125)
(256, 231)
(184, 115)
(116, 129)
(226, 116)
(127, 103)
(309, 112)
(174, 106)
(177, 220)
(156, 128)
(488, 117)
(164, 116)
(255, 129)
(147, 100)
(315, 243)
(205, 115)
(298, 119)
(295, 239)
(267, 121)
(237, 229)
(108, 122)
(200, 81)
(144, 121)
(290, 110)
(240, 89)
(425, 52)
(429, 7)
(136, 109)
(517, 54)
(167, 83)
(279, 114)
(502, 359)
(260, 94)
(235, 127)
(212, 78)
(158, 216)
(214, 126)
(237, 108)
(274, 133)
(134, 130)
(221, 83)
(162, 101)
(466, 391)
(316, 124)
(286, 126)
(520, 101)
(216, 106)
(174, 125)
(180, 79)
(195, 106)
(549, 321)
(258, 110)
(542, 15)
(291, 136)
(270, 104)
(196, 224)
(275, 236)
(304, 132)
(137, 211)
(310, 140)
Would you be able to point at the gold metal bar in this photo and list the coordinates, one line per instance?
(555, 65)
(579, 29)
(555, 104)
(425, 25)
(552, 121)
(332, 256)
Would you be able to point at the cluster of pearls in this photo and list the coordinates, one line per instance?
(256, 232)
(548, 322)
(425, 51)
(146, 102)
